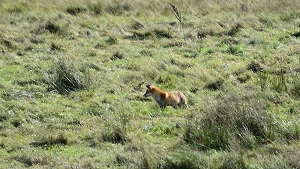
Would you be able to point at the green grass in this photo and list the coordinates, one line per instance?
(72, 77)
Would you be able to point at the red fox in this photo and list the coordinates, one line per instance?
(174, 99)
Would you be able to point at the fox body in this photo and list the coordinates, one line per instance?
(163, 99)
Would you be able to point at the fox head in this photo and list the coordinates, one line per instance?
(148, 91)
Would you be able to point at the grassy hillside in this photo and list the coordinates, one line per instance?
(73, 75)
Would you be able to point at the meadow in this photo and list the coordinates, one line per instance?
(73, 75)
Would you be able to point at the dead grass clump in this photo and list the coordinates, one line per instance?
(137, 25)
(296, 34)
(269, 23)
(292, 157)
(190, 53)
(215, 85)
(202, 34)
(243, 78)
(118, 8)
(67, 78)
(30, 160)
(52, 28)
(15, 10)
(141, 35)
(230, 40)
(48, 27)
(112, 40)
(76, 10)
(97, 8)
(16, 122)
(49, 141)
(146, 53)
(117, 55)
(3, 116)
(235, 50)
(116, 136)
(121, 160)
(158, 33)
(235, 29)
(175, 44)
(7, 43)
(255, 67)
(111, 134)
(181, 64)
(184, 163)
(232, 117)
(233, 162)
(55, 47)
(295, 89)
(162, 33)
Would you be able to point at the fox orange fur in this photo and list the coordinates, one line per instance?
(174, 99)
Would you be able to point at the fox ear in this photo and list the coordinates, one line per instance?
(147, 85)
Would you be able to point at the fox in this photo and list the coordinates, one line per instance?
(175, 99)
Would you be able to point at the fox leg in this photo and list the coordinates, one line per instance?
(162, 107)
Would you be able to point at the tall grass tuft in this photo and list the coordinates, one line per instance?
(295, 89)
(233, 162)
(177, 13)
(232, 117)
(116, 136)
(67, 78)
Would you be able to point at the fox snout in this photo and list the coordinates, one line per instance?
(147, 95)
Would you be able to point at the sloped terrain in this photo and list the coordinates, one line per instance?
(73, 75)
